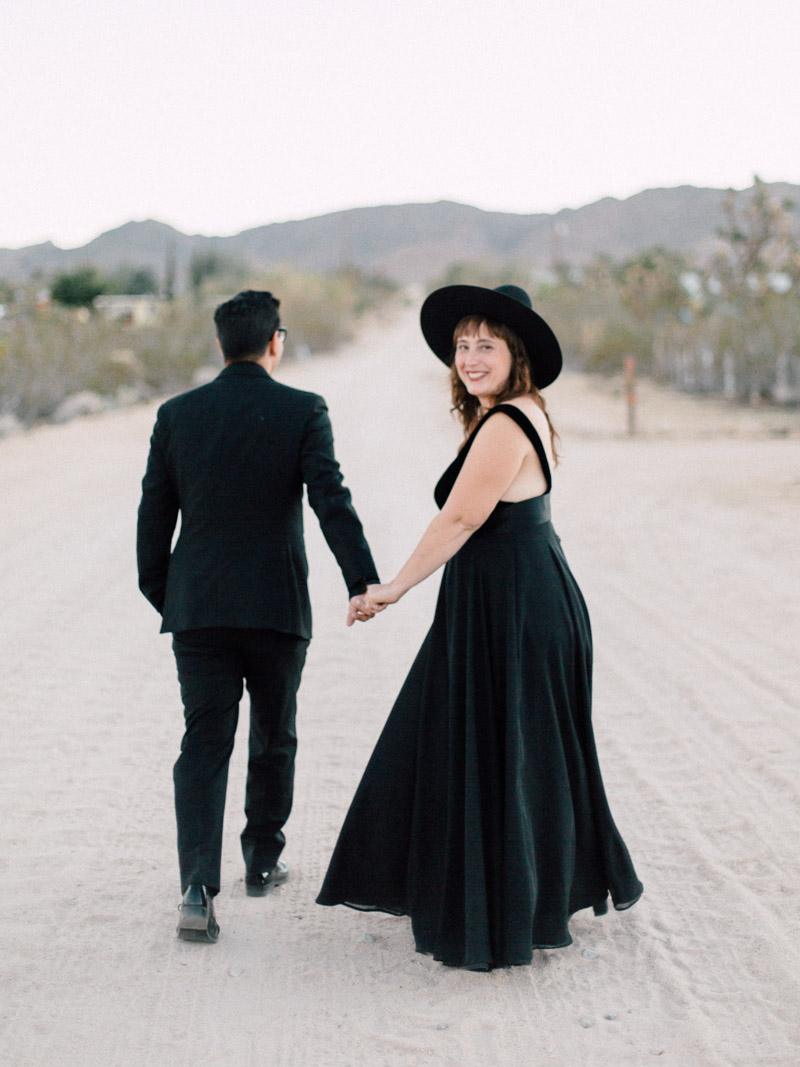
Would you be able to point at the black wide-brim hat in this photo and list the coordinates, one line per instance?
(445, 308)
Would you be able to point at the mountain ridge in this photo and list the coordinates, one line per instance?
(410, 242)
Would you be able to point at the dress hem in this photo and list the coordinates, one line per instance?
(481, 967)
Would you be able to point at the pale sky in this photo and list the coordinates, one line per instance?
(217, 117)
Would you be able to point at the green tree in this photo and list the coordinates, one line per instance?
(227, 272)
(133, 281)
(79, 288)
(205, 265)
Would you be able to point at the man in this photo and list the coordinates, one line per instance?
(232, 458)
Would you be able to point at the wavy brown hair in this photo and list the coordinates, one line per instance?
(520, 380)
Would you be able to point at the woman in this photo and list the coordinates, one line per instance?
(482, 813)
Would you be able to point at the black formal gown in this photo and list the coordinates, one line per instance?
(482, 813)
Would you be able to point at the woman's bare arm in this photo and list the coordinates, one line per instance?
(493, 463)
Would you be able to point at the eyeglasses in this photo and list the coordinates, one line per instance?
(281, 332)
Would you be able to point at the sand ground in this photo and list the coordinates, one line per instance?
(685, 541)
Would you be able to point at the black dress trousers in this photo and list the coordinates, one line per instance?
(213, 667)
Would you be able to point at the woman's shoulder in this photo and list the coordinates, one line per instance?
(495, 434)
(528, 406)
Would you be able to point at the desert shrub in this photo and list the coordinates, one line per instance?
(47, 354)
(171, 349)
(616, 341)
(321, 311)
(50, 352)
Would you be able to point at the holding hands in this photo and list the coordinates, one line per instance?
(362, 608)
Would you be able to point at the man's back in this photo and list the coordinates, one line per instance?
(232, 457)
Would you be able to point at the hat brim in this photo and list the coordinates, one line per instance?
(445, 308)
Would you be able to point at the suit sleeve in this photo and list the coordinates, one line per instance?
(158, 513)
(331, 502)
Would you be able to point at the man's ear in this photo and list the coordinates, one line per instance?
(219, 346)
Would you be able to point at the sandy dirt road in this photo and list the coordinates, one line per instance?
(685, 542)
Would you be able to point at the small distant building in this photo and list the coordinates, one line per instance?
(137, 309)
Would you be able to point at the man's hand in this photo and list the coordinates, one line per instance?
(377, 598)
(359, 610)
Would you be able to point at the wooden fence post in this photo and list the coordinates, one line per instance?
(630, 393)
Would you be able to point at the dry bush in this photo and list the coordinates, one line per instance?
(321, 311)
(48, 353)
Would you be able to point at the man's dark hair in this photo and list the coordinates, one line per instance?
(245, 324)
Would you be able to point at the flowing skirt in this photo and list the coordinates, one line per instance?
(482, 813)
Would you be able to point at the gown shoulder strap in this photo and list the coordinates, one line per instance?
(530, 431)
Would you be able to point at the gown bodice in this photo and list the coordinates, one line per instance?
(507, 514)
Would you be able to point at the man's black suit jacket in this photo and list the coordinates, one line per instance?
(232, 458)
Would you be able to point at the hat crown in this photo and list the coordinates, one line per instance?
(515, 293)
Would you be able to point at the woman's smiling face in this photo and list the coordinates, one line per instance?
(483, 363)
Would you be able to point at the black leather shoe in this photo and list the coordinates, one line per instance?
(256, 885)
(197, 922)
